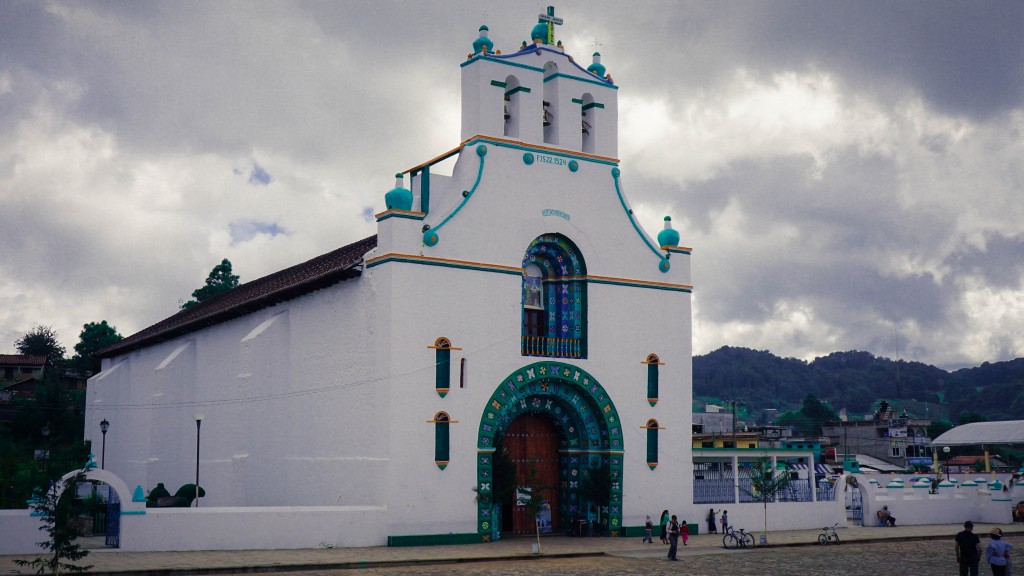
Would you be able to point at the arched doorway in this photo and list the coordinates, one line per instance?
(532, 444)
(110, 499)
(544, 415)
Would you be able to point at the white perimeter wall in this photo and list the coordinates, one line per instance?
(180, 529)
(951, 505)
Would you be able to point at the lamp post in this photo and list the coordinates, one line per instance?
(46, 447)
(104, 426)
(945, 450)
(199, 424)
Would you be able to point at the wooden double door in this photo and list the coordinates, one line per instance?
(532, 443)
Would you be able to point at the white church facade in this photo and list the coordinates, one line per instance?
(512, 323)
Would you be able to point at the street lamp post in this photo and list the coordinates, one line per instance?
(199, 425)
(46, 447)
(104, 426)
(945, 450)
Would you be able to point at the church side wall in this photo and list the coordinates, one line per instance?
(272, 386)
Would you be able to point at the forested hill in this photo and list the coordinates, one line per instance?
(757, 380)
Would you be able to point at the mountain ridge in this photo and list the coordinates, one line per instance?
(855, 380)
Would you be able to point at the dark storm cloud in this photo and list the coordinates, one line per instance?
(1000, 263)
(842, 169)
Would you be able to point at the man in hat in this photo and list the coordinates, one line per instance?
(968, 550)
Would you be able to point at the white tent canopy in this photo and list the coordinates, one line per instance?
(976, 433)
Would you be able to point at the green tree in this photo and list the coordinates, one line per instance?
(938, 428)
(810, 417)
(93, 338)
(220, 280)
(530, 496)
(970, 417)
(58, 511)
(41, 341)
(765, 485)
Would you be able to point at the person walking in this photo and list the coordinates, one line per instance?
(664, 526)
(648, 531)
(997, 553)
(725, 521)
(712, 529)
(968, 550)
(673, 538)
(684, 531)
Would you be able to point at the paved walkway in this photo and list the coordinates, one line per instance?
(114, 562)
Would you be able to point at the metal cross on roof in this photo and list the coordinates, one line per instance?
(552, 21)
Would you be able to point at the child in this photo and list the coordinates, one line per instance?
(684, 531)
(649, 531)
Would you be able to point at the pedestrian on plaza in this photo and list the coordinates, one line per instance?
(684, 531)
(711, 522)
(886, 517)
(725, 521)
(664, 526)
(997, 554)
(648, 531)
(673, 538)
(968, 550)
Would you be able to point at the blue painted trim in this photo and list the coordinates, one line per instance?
(587, 80)
(400, 215)
(677, 250)
(133, 512)
(663, 265)
(639, 285)
(528, 148)
(577, 101)
(518, 89)
(499, 83)
(501, 59)
(425, 190)
(430, 237)
(592, 105)
(443, 264)
(496, 60)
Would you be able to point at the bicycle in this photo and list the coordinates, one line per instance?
(828, 535)
(741, 540)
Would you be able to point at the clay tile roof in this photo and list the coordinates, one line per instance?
(22, 359)
(320, 272)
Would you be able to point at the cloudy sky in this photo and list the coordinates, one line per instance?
(849, 174)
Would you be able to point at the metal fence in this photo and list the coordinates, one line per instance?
(718, 491)
(723, 491)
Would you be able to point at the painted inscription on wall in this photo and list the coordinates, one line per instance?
(545, 159)
(550, 212)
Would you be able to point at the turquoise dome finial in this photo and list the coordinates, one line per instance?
(539, 34)
(398, 198)
(483, 43)
(597, 69)
(668, 236)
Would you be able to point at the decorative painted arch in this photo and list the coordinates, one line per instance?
(578, 404)
(131, 502)
(559, 327)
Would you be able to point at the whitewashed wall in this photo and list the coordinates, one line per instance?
(480, 312)
(287, 394)
(951, 505)
(181, 529)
